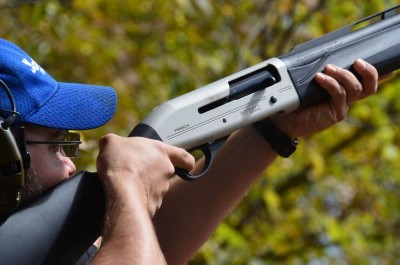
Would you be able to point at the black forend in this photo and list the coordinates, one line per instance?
(376, 42)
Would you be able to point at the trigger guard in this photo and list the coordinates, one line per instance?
(210, 151)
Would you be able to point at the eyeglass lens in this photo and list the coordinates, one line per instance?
(71, 149)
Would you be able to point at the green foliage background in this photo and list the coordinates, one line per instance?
(335, 201)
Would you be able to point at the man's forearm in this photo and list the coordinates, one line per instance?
(191, 211)
(129, 236)
(138, 245)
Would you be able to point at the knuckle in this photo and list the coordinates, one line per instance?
(340, 115)
(107, 139)
(357, 87)
(337, 114)
(170, 169)
(110, 136)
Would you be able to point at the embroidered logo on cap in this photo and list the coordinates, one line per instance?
(34, 66)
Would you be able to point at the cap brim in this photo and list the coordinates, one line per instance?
(76, 107)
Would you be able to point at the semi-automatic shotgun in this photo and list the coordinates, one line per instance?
(58, 227)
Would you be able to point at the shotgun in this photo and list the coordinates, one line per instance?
(59, 226)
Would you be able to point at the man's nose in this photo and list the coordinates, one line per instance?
(70, 166)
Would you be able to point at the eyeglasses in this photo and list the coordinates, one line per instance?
(69, 147)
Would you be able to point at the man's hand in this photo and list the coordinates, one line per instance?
(136, 166)
(135, 175)
(344, 89)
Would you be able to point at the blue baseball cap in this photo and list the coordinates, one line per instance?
(43, 101)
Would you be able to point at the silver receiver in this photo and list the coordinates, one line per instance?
(203, 118)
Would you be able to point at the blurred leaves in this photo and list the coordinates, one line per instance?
(335, 201)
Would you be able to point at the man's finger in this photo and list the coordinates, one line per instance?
(369, 77)
(181, 158)
(347, 81)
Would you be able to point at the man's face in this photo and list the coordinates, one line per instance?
(48, 161)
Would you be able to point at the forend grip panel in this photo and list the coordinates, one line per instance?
(310, 92)
(377, 43)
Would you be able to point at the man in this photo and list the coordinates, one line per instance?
(135, 172)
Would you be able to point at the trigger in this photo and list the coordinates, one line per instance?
(210, 151)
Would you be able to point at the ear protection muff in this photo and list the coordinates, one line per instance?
(12, 164)
(11, 171)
